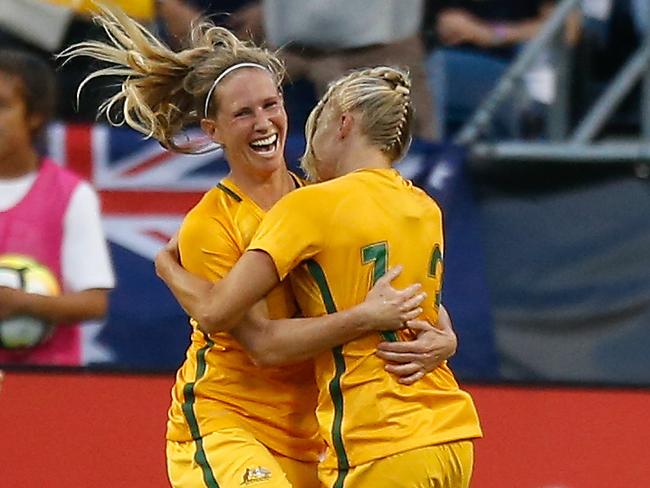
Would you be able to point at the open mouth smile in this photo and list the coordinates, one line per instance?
(265, 146)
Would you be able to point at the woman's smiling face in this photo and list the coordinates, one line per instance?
(251, 122)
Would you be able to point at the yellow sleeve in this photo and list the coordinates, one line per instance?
(207, 246)
(292, 231)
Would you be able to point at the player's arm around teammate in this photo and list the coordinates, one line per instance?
(279, 342)
(411, 360)
(285, 341)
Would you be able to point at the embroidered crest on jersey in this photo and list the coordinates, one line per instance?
(253, 475)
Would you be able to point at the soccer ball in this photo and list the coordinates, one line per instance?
(25, 273)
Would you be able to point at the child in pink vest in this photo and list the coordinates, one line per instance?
(48, 214)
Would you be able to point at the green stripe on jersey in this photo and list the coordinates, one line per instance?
(190, 416)
(229, 192)
(335, 385)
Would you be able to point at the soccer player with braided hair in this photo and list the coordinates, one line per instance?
(334, 239)
(231, 422)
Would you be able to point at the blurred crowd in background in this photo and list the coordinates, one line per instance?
(456, 50)
(562, 248)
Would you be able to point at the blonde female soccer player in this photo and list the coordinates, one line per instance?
(231, 423)
(337, 238)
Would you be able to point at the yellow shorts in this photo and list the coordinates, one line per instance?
(233, 458)
(442, 466)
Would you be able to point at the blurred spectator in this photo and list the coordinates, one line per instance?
(623, 27)
(44, 27)
(473, 43)
(48, 214)
(37, 23)
(612, 31)
(324, 40)
(321, 41)
(177, 15)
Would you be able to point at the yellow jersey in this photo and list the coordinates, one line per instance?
(339, 237)
(218, 386)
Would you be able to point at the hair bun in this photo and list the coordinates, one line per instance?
(398, 79)
(402, 89)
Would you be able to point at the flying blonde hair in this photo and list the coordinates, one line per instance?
(163, 92)
(382, 96)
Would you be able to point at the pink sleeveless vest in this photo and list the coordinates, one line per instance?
(34, 227)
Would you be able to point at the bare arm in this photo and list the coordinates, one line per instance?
(458, 26)
(273, 340)
(68, 308)
(227, 302)
(188, 289)
(178, 17)
(248, 22)
(285, 341)
(222, 305)
(518, 32)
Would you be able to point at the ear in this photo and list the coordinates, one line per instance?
(209, 127)
(346, 122)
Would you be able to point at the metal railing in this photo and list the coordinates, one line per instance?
(562, 144)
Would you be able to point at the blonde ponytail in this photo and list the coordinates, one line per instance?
(163, 92)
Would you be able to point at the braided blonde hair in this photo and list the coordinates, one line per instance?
(382, 96)
(162, 91)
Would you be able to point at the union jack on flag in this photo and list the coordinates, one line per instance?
(145, 190)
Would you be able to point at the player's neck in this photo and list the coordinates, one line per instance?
(18, 163)
(265, 190)
(362, 156)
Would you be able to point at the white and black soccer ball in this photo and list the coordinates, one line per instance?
(22, 272)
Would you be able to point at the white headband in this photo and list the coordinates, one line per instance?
(221, 77)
